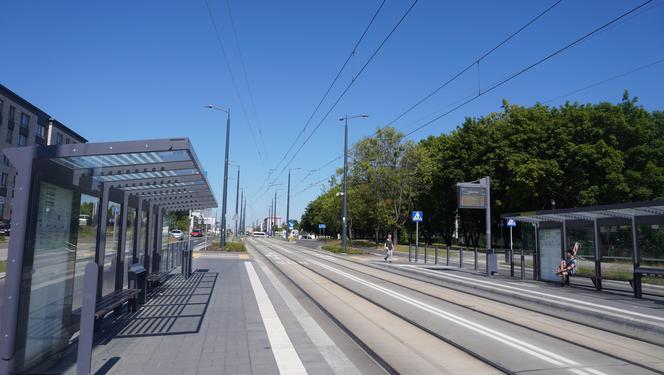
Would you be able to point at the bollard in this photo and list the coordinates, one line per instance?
(447, 260)
(417, 250)
(410, 251)
(523, 266)
(461, 257)
(475, 259)
(87, 322)
(425, 252)
(435, 249)
(511, 263)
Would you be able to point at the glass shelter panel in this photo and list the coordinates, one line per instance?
(111, 248)
(585, 256)
(617, 254)
(129, 243)
(64, 242)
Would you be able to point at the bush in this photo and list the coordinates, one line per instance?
(230, 247)
(3, 265)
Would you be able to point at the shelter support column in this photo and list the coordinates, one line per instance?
(150, 240)
(598, 256)
(636, 281)
(122, 248)
(102, 221)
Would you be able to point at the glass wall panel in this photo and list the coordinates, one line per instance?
(651, 247)
(144, 236)
(111, 249)
(616, 248)
(63, 244)
(129, 243)
(586, 253)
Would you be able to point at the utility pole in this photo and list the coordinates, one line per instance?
(237, 196)
(223, 202)
(344, 215)
(288, 209)
(275, 212)
(241, 212)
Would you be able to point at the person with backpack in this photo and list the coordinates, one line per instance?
(389, 248)
(568, 265)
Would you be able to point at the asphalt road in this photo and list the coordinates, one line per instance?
(475, 332)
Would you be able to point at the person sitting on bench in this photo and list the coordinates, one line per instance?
(568, 265)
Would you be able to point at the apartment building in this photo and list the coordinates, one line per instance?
(23, 124)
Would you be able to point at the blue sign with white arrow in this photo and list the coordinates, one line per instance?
(417, 216)
(321, 226)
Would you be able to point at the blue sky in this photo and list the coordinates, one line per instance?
(132, 70)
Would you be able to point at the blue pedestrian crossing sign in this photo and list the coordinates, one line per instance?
(511, 222)
(417, 216)
(321, 226)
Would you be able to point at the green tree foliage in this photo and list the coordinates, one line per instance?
(573, 155)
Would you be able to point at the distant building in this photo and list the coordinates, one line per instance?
(276, 220)
(23, 124)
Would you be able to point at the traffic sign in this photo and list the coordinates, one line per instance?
(511, 223)
(290, 224)
(321, 226)
(116, 211)
(416, 216)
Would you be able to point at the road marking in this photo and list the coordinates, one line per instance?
(620, 313)
(533, 350)
(288, 361)
(339, 363)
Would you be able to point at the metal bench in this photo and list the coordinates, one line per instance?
(156, 278)
(115, 300)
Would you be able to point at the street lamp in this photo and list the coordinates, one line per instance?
(288, 205)
(345, 204)
(223, 202)
(274, 209)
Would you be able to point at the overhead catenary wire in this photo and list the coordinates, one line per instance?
(217, 34)
(334, 81)
(246, 78)
(475, 62)
(352, 82)
(527, 68)
(612, 78)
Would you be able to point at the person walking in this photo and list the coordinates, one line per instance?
(389, 248)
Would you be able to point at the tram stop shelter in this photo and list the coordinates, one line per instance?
(80, 203)
(617, 241)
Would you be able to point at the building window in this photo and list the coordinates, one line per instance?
(58, 138)
(41, 130)
(10, 135)
(5, 160)
(12, 112)
(67, 141)
(3, 180)
(22, 140)
(2, 107)
(25, 120)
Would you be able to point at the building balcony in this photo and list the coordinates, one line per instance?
(40, 140)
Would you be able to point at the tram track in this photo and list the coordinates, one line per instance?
(357, 268)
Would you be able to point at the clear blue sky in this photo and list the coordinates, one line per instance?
(117, 70)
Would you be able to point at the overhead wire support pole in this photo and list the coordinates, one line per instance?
(237, 197)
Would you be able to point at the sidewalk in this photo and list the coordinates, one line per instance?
(221, 321)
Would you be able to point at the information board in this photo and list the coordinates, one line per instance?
(471, 197)
(549, 254)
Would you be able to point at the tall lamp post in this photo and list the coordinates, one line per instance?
(237, 202)
(223, 202)
(344, 215)
(288, 205)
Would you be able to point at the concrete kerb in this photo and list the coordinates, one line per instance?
(635, 329)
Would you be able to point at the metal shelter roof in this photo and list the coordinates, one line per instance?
(622, 211)
(165, 171)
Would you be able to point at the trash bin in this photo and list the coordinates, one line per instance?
(137, 278)
(491, 262)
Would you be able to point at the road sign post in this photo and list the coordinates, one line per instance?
(416, 216)
(511, 223)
